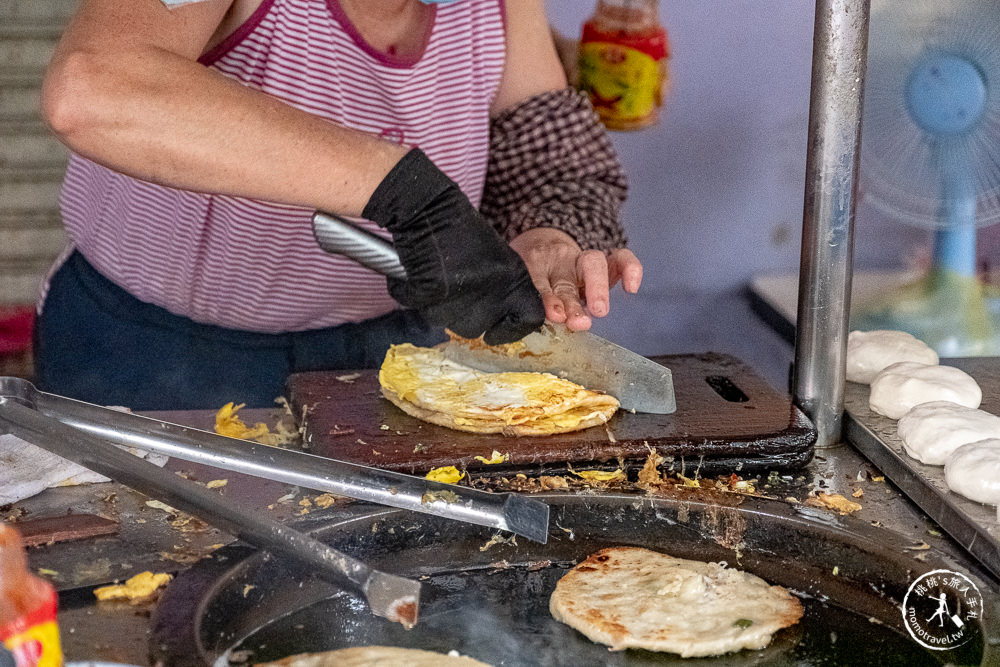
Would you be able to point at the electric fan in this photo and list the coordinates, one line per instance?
(931, 156)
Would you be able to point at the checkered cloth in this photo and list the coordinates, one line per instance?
(551, 164)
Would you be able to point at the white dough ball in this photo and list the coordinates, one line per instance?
(974, 471)
(868, 352)
(932, 431)
(899, 387)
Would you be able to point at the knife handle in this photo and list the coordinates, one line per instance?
(339, 236)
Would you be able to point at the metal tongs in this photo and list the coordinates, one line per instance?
(86, 434)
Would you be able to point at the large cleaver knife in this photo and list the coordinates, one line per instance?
(639, 384)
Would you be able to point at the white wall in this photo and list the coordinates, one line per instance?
(716, 186)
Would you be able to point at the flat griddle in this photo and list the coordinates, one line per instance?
(492, 603)
(973, 525)
(728, 420)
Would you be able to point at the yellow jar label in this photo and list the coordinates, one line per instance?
(37, 646)
(623, 83)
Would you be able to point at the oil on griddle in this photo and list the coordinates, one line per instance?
(489, 599)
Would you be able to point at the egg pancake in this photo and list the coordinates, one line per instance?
(627, 597)
(375, 656)
(424, 384)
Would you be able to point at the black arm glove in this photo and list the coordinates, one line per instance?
(460, 273)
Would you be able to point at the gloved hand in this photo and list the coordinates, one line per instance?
(460, 273)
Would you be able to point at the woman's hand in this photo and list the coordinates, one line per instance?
(574, 284)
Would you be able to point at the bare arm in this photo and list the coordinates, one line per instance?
(574, 285)
(124, 88)
(532, 64)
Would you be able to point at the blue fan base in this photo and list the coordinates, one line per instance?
(957, 315)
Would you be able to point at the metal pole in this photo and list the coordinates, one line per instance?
(840, 42)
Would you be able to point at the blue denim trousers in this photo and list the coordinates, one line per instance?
(97, 343)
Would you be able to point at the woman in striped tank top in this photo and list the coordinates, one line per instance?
(206, 132)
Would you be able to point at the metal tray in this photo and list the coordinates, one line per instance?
(971, 524)
(492, 604)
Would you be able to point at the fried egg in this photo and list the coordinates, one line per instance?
(425, 384)
(140, 587)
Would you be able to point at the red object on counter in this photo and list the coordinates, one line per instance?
(17, 324)
(28, 629)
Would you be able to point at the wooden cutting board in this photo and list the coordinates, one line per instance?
(725, 412)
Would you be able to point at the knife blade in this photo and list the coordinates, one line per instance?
(639, 384)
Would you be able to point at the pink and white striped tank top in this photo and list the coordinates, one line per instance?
(254, 265)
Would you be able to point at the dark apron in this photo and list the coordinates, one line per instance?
(96, 342)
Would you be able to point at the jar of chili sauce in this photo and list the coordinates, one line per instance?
(28, 631)
(623, 59)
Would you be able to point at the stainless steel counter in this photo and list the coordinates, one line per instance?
(974, 525)
(148, 541)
